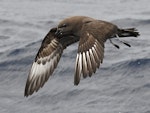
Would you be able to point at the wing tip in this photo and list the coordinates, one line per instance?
(76, 82)
(25, 93)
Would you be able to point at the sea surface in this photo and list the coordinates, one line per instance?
(121, 85)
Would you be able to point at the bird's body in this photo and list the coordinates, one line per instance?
(90, 33)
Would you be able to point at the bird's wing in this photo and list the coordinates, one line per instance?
(90, 52)
(45, 62)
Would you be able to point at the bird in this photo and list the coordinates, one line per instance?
(90, 33)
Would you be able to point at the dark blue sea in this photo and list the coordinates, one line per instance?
(121, 85)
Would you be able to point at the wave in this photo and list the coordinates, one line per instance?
(4, 37)
(11, 23)
(132, 66)
(137, 63)
(130, 22)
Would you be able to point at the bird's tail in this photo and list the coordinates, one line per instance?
(129, 32)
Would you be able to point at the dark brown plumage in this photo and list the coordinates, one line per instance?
(90, 33)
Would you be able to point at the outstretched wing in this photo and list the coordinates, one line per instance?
(45, 62)
(91, 48)
(90, 55)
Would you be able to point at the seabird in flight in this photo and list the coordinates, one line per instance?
(91, 34)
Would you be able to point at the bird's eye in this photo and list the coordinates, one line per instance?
(64, 25)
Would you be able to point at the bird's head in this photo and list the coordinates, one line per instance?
(70, 26)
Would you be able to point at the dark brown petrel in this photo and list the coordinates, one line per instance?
(91, 34)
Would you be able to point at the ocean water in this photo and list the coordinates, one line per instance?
(121, 85)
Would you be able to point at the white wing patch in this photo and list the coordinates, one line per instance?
(43, 68)
(88, 61)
